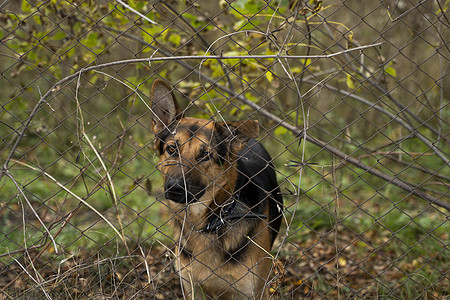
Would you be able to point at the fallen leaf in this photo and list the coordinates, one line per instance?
(342, 261)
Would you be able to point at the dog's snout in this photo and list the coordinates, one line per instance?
(181, 190)
(174, 189)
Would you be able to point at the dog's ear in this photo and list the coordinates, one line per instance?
(245, 129)
(238, 133)
(165, 108)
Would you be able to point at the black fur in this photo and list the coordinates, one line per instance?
(257, 183)
(226, 229)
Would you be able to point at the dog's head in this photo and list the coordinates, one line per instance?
(198, 157)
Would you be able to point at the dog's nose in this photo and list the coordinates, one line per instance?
(174, 190)
(181, 190)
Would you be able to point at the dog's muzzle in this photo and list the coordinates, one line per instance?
(181, 190)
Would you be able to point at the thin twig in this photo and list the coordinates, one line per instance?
(403, 111)
(376, 106)
(57, 86)
(414, 7)
(32, 278)
(200, 36)
(136, 12)
(71, 193)
(345, 157)
(19, 189)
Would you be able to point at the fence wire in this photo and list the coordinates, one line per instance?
(351, 99)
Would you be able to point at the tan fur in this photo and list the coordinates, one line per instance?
(204, 272)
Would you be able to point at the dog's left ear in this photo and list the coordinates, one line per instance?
(238, 133)
(165, 108)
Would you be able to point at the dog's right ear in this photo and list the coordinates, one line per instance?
(164, 108)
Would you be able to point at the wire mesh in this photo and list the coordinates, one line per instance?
(351, 98)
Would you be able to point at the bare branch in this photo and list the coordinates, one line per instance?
(71, 77)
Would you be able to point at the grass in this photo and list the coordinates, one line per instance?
(350, 234)
(357, 234)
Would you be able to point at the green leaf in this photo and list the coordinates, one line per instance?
(70, 52)
(59, 35)
(26, 7)
(350, 82)
(280, 130)
(147, 37)
(91, 40)
(175, 39)
(306, 62)
(269, 76)
(137, 5)
(37, 19)
(391, 71)
(194, 20)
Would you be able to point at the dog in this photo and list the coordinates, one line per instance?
(223, 193)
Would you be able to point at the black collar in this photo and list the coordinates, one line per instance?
(227, 214)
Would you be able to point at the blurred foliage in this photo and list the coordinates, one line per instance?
(357, 102)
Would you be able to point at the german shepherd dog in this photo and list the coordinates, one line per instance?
(224, 197)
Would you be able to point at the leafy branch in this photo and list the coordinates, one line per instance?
(294, 129)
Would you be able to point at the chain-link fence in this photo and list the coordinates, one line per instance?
(351, 98)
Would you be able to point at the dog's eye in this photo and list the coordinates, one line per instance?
(171, 149)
